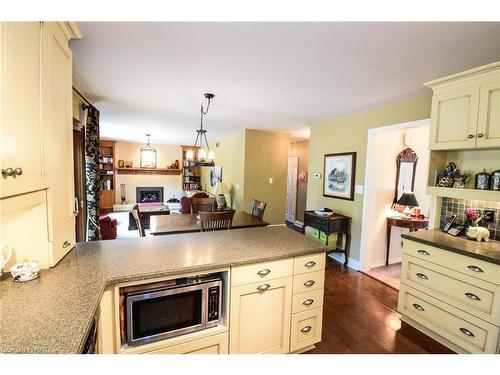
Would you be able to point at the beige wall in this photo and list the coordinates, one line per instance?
(166, 155)
(348, 134)
(266, 156)
(301, 151)
(248, 159)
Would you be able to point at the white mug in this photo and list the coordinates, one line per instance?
(4, 261)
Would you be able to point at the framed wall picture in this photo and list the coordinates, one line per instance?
(339, 174)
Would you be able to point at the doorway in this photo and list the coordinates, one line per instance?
(79, 179)
(297, 184)
(384, 146)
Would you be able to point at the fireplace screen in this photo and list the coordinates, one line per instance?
(149, 194)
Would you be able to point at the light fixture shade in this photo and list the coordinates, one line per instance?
(190, 155)
(408, 199)
(148, 155)
(202, 154)
(221, 188)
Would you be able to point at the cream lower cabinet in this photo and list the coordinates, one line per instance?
(453, 298)
(260, 317)
(217, 344)
(466, 110)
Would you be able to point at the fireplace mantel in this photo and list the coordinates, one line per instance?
(149, 171)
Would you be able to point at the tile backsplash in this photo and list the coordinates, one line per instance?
(453, 206)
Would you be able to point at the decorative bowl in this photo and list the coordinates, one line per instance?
(323, 213)
(25, 271)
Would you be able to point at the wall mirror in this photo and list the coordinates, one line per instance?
(406, 166)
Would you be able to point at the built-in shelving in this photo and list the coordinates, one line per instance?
(472, 194)
(149, 171)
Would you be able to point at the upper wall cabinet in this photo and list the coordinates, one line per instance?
(21, 131)
(466, 110)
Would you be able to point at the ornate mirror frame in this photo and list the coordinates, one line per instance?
(405, 156)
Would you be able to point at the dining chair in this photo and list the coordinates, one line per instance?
(257, 209)
(212, 221)
(137, 218)
(202, 204)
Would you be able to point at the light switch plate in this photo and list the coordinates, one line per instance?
(270, 180)
(237, 186)
(358, 189)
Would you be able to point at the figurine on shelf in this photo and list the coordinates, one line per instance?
(479, 233)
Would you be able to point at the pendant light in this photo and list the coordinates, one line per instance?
(148, 155)
(205, 157)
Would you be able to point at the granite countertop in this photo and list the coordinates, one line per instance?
(53, 313)
(487, 251)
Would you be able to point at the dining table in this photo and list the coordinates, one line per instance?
(189, 223)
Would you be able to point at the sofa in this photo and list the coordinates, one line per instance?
(108, 227)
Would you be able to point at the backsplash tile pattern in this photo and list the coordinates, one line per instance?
(454, 206)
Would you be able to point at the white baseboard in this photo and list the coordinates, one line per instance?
(352, 263)
(277, 225)
(381, 262)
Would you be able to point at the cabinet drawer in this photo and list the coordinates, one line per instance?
(306, 328)
(308, 281)
(307, 301)
(475, 296)
(254, 273)
(309, 263)
(470, 266)
(62, 243)
(217, 344)
(464, 330)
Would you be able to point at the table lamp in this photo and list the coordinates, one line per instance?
(219, 191)
(408, 199)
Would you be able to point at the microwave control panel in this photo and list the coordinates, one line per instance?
(213, 303)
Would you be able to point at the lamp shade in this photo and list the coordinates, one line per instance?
(408, 199)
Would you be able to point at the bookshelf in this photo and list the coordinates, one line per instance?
(107, 174)
(191, 175)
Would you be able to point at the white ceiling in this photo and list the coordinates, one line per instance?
(150, 77)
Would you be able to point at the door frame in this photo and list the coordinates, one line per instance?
(294, 159)
(365, 251)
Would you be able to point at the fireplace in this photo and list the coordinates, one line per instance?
(149, 194)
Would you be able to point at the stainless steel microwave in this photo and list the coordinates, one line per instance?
(159, 312)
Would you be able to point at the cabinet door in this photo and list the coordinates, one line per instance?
(21, 132)
(260, 317)
(454, 119)
(488, 128)
(58, 125)
(216, 344)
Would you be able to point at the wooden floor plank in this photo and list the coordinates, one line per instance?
(360, 317)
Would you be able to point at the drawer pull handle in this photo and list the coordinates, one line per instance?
(66, 244)
(480, 135)
(473, 296)
(466, 332)
(418, 307)
(422, 276)
(264, 273)
(475, 269)
(308, 302)
(263, 287)
(470, 136)
(310, 264)
(423, 252)
(306, 329)
(309, 283)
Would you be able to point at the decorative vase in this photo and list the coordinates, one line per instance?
(221, 201)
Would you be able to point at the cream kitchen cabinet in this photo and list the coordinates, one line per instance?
(260, 317)
(36, 132)
(21, 129)
(466, 110)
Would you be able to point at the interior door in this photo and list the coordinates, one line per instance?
(291, 190)
(79, 180)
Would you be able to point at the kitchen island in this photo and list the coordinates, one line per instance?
(54, 313)
(450, 290)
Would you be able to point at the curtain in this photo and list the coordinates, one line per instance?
(93, 181)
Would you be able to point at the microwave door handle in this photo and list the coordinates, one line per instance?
(204, 306)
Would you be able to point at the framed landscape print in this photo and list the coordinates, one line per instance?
(338, 176)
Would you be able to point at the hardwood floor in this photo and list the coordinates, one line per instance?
(360, 317)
